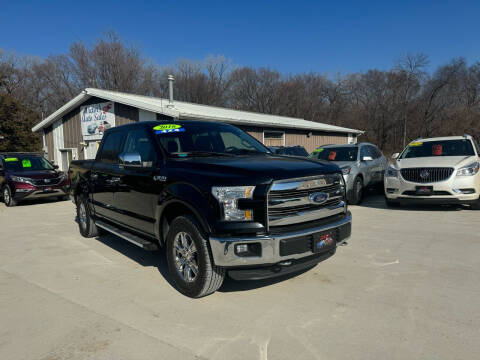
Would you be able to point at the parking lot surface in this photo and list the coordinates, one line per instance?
(406, 287)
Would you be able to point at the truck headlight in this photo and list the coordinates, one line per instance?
(391, 172)
(228, 197)
(469, 170)
(20, 179)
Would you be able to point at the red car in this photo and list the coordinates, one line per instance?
(30, 176)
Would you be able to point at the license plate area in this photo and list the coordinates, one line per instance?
(424, 190)
(324, 241)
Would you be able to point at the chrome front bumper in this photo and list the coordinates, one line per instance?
(224, 254)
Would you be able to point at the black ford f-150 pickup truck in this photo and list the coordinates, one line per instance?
(215, 197)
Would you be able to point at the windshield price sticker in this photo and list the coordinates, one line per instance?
(318, 150)
(418, 143)
(10, 159)
(26, 163)
(168, 128)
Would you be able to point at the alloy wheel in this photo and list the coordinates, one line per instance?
(186, 256)
(6, 196)
(82, 215)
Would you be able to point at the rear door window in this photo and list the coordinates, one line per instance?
(375, 153)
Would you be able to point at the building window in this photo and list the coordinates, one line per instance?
(273, 138)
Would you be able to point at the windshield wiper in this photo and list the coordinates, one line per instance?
(200, 153)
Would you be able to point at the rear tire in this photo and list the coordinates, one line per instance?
(189, 261)
(357, 191)
(86, 225)
(7, 197)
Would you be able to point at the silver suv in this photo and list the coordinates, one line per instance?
(363, 165)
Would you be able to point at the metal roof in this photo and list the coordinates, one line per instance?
(185, 110)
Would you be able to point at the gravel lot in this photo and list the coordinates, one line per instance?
(406, 287)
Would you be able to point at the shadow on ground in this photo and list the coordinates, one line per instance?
(378, 202)
(158, 260)
(33, 202)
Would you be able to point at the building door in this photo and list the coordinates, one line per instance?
(66, 159)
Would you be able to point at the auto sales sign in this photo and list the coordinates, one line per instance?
(97, 118)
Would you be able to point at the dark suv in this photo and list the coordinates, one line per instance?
(29, 176)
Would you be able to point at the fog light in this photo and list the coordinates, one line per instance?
(242, 248)
(22, 190)
(250, 249)
(457, 191)
(392, 190)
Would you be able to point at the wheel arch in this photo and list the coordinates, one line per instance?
(172, 210)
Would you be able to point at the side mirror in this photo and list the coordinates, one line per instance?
(394, 156)
(367, 158)
(55, 167)
(130, 159)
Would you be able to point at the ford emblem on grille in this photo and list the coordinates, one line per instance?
(424, 174)
(318, 197)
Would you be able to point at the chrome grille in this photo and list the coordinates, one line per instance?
(46, 182)
(426, 175)
(293, 201)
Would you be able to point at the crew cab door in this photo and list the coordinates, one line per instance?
(137, 194)
(104, 175)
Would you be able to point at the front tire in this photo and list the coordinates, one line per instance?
(86, 225)
(357, 192)
(8, 197)
(189, 262)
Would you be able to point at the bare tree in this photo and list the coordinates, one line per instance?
(412, 70)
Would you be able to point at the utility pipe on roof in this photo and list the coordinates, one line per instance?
(170, 90)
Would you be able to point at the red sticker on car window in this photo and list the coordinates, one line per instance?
(332, 155)
(437, 150)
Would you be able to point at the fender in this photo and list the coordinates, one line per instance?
(192, 198)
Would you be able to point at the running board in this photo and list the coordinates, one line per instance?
(134, 239)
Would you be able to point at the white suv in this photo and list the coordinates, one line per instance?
(441, 170)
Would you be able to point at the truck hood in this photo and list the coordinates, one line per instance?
(435, 161)
(256, 168)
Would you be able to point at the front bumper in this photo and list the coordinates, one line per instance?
(224, 254)
(39, 193)
(445, 192)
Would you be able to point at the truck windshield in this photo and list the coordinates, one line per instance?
(341, 153)
(462, 147)
(205, 139)
(26, 163)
